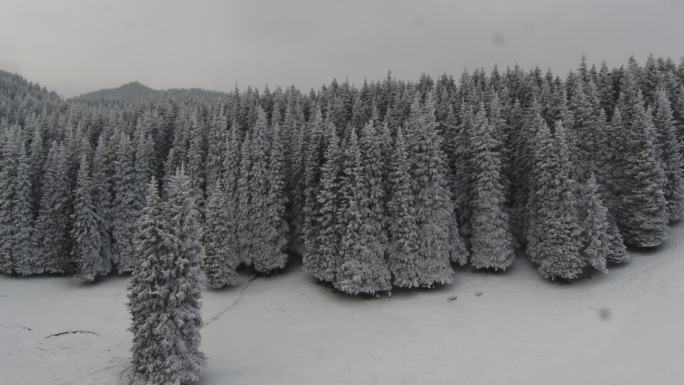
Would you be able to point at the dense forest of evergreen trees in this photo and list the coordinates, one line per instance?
(390, 184)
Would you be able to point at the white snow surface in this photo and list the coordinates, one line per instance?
(625, 327)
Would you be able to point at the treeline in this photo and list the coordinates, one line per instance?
(390, 184)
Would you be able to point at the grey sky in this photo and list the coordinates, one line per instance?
(77, 46)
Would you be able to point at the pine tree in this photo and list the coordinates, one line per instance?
(363, 269)
(433, 206)
(596, 242)
(244, 229)
(86, 231)
(221, 259)
(669, 154)
(642, 208)
(165, 291)
(22, 214)
(553, 232)
(102, 195)
(322, 253)
(403, 248)
(15, 207)
(126, 207)
(52, 236)
(272, 231)
(492, 241)
(216, 142)
(314, 158)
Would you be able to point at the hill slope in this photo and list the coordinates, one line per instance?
(130, 92)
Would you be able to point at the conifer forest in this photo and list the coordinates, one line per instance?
(390, 184)
(373, 188)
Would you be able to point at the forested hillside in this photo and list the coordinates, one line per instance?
(387, 184)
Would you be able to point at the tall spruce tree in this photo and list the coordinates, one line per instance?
(272, 231)
(322, 258)
(86, 229)
(15, 207)
(642, 208)
(221, 259)
(126, 206)
(433, 205)
(52, 239)
(403, 231)
(244, 229)
(670, 156)
(363, 269)
(313, 168)
(102, 195)
(166, 288)
(596, 238)
(553, 232)
(492, 241)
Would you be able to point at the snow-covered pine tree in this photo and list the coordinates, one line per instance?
(433, 205)
(642, 209)
(295, 189)
(216, 149)
(272, 229)
(148, 288)
(196, 159)
(314, 157)
(403, 246)
(221, 259)
(186, 279)
(617, 251)
(553, 231)
(15, 207)
(244, 209)
(144, 165)
(22, 214)
(126, 206)
(165, 292)
(52, 241)
(102, 195)
(491, 239)
(86, 230)
(669, 153)
(595, 240)
(322, 253)
(363, 269)
(37, 160)
(373, 159)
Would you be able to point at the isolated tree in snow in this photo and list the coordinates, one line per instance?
(363, 268)
(165, 291)
(491, 239)
(86, 229)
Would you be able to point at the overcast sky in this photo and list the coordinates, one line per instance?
(77, 46)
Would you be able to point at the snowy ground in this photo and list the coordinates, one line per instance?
(626, 327)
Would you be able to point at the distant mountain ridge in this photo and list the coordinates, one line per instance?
(129, 92)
